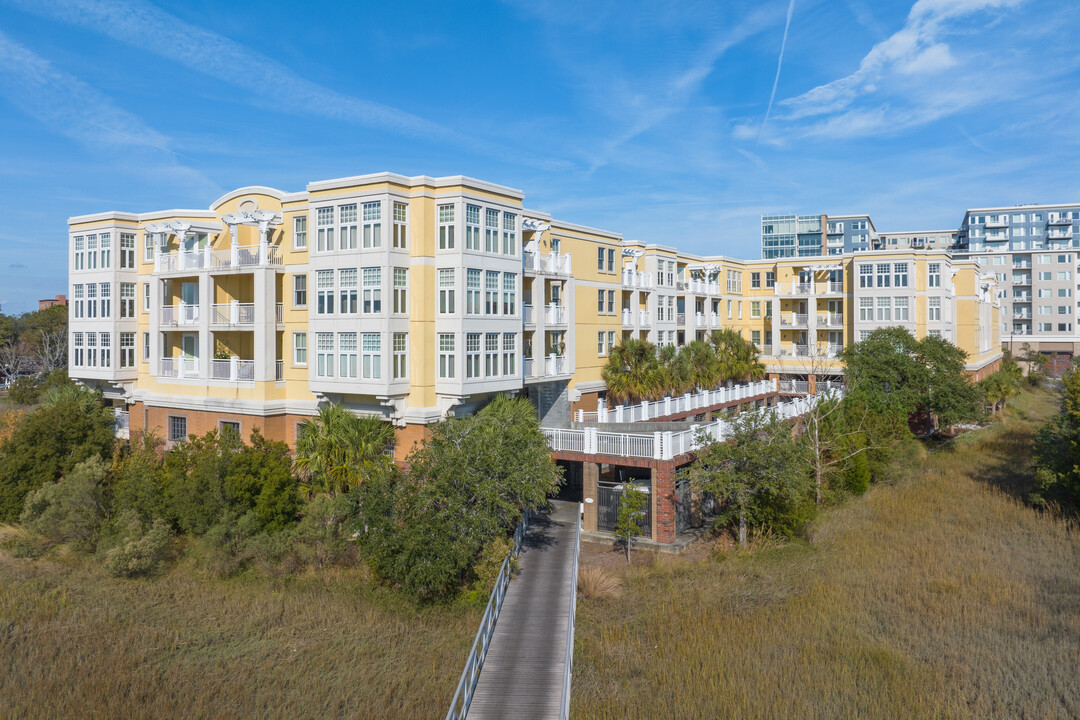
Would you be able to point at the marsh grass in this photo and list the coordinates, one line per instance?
(939, 595)
(75, 642)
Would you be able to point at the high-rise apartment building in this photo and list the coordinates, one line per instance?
(412, 298)
(785, 236)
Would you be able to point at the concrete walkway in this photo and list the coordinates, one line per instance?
(522, 675)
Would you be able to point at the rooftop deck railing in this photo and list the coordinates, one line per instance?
(688, 402)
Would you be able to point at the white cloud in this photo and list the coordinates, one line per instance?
(150, 28)
(70, 107)
(931, 60)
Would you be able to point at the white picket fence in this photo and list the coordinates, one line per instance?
(667, 445)
(682, 403)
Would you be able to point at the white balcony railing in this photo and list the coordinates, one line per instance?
(627, 318)
(830, 320)
(555, 315)
(834, 288)
(555, 365)
(279, 370)
(182, 314)
(677, 404)
(233, 314)
(999, 222)
(279, 313)
(700, 320)
(547, 262)
(1060, 219)
(1062, 234)
(527, 367)
(233, 369)
(527, 316)
(235, 257)
(793, 320)
(714, 320)
(633, 279)
(680, 319)
(179, 367)
(644, 319)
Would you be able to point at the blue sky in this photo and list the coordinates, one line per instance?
(677, 123)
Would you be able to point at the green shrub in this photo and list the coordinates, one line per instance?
(321, 539)
(141, 553)
(25, 391)
(70, 510)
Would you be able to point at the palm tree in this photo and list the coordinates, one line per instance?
(675, 372)
(632, 371)
(336, 449)
(737, 356)
(703, 365)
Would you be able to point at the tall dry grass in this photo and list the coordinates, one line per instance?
(938, 596)
(75, 642)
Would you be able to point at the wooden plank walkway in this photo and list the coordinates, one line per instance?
(522, 675)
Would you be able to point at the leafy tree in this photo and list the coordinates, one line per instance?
(632, 372)
(467, 484)
(1036, 362)
(70, 426)
(195, 472)
(140, 484)
(337, 449)
(738, 358)
(704, 370)
(260, 479)
(761, 465)
(1057, 452)
(70, 510)
(675, 370)
(632, 505)
(1002, 385)
(949, 395)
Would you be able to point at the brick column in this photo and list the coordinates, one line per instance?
(663, 502)
(590, 488)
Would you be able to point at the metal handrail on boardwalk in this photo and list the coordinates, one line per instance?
(564, 713)
(459, 706)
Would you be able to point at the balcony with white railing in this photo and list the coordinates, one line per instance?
(1000, 222)
(714, 320)
(555, 314)
(1021, 280)
(233, 314)
(527, 367)
(833, 351)
(178, 367)
(1022, 297)
(279, 370)
(1059, 233)
(233, 370)
(527, 315)
(547, 263)
(182, 314)
(1021, 264)
(236, 257)
(636, 280)
(627, 319)
(279, 313)
(700, 320)
(830, 320)
(644, 319)
(677, 404)
(794, 386)
(555, 365)
(832, 288)
(793, 319)
(680, 319)
(1060, 219)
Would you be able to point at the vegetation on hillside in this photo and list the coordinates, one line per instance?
(935, 595)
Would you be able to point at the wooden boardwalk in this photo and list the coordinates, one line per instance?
(523, 673)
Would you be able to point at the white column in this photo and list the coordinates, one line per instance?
(265, 325)
(206, 345)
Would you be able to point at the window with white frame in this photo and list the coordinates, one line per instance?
(146, 297)
(509, 293)
(509, 244)
(866, 309)
(491, 231)
(509, 345)
(491, 293)
(601, 343)
(472, 291)
(127, 251)
(863, 334)
(372, 225)
(347, 355)
(1064, 327)
(447, 359)
(78, 347)
(446, 291)
(347, 226)
(934, 334)
(1046, 310)
(601, 301)
(299, 342)
(300, 232)
(900, 308)
(401, 355)
(755, 308)
(755, 280)
(324, 286)
(611, 260)
(1064, 310)
(299, 285)
(127, 300)
(884, 309)
(1046, 276)
(401, 290)
(491, 355)
(883, 277)
(900, 274)
(324, 354)
(472, 227)
(106, 250)
(1064, 275)
(77, 307)
(600, 259)
(127, 349)
(472, 355)
(770, 279)
(1064, 292)
(91, 349)
(933, 274)
(866, 276)
(80, 248)
(91, 252)
(106, 299)
(372, 290)
(446, 227)
(401, 240)
(324, 220)
(347, 290)
(91, 300)
(146, 347)
(934, 309)
(148, 246)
